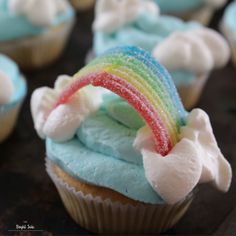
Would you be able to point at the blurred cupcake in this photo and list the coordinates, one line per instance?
(199, 10)
(12, 93)
(82, 5)
(33, 32)
(190, 57)
(141, 25)
(228, 27)
(127, 163)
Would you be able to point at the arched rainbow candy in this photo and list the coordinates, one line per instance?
(135, 76)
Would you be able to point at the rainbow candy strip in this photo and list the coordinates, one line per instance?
(138, 78)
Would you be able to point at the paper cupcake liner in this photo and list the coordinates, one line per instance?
(231, 39)
(202, 15)
(234, 54)
(82, 5)
(8, 120)
(37, 51)
(191, 92)
(104, 216)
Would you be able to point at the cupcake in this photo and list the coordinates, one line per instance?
(82, 5)
(122, 151)
(141, 25)
(190, 57)
(228, 27)
(34, 33)
(12, 93)
(199, 10)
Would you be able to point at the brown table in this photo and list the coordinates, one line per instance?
(27, 195)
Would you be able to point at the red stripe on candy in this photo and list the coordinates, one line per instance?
(137, 100)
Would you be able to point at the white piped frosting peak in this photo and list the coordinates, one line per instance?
(38, 12)
(198, 51)
(113, 14)
(6, 88)
(62, 123)
(195, 159)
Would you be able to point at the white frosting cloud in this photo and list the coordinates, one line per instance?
(61, 123)
(198, 51)
(110, 15)
(195, 159)
(215, 168)
(6, 88)
(38, 12)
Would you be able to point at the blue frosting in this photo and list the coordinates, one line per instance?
(102, 154)
(14, 26)
(229, 18)
(20, 88)
(103, 134)
(101, 170)
(119, 110)
(182, 77)
(179, 6)
(146, 32)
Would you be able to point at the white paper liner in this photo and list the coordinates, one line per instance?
(202, 15)
(37, 51)
(190, 92)
(8, 118)
(104, 216)
(7, 121)
(82, 5)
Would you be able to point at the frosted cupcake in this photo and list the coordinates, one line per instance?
(199, 10)
(141, 25)
(190, 57)
(228, 27)
(12, 93)
(33, 32)
(131, 157)
(82, 5)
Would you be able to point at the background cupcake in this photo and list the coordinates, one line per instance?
(199, 10)
(82, 5)
(34, 33)
(142, 26)
(12, 93)
(228, 27)
(190, 57)
(109, 167)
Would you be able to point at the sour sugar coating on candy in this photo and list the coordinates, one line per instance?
(186, 140)
(135, 76)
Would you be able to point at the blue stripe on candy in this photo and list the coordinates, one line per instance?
(157, 70)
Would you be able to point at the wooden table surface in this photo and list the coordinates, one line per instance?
(27, 195)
